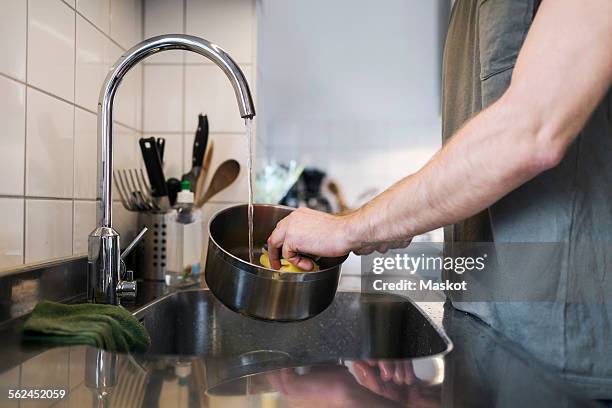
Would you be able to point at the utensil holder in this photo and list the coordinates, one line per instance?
(153, 246)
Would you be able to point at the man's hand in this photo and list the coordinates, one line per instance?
(307, 231)
(311, 232)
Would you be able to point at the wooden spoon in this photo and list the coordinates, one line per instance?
(224, 176)
(335, 190)
(201, 182)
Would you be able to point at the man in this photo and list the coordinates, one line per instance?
(527, 157)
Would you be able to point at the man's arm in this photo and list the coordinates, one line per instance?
(562, 72)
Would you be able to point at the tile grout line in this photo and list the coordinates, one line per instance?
(108, 37)
(25, 137)
(50, 198)
(184, 92)
(74, 64)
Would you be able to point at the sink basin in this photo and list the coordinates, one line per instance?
(192, 324)
(355, 326)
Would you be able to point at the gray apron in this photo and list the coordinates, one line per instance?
(570, 204)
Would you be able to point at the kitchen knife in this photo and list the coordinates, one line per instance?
(161, 148)
(200, 142)
(199, 147)
(152, 161)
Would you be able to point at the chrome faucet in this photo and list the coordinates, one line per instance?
(106, 283)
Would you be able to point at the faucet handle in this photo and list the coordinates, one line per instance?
(126, 287)
(134, 242)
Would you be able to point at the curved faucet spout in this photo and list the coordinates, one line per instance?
(127, 61)
(104, 241)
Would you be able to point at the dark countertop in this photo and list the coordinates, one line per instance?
(483, 369)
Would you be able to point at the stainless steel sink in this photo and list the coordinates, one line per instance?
(192, 325)
(355, 326)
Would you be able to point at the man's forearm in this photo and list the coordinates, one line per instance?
(466, 176)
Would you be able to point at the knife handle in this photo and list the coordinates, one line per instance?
(200, 141)
(161, 148)
(153, 165)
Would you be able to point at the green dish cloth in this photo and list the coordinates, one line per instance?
(104, 326)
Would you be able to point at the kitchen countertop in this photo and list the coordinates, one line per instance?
(483, 369)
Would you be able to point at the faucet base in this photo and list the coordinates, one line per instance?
(104, 265)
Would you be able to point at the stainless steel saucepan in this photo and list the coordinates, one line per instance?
(256, 291)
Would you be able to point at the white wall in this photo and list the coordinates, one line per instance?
(349, 86)
(54, 57)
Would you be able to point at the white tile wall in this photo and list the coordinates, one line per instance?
(11, 234)
(13, 38)
(48, 120)
(85, 153)
(208, 90)
(49, 157)
(48, 229)
(227, 23)
(51, 35)
(92, 63)
(84, 223)
(96, 11)
(164, 17)
(163, 86)
(126, 22)
(124, 151)
(12, 118)
(125, 148)
(127, 105)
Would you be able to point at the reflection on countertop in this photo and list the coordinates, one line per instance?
(366, 359)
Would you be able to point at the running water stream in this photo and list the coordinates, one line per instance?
(248, 123)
